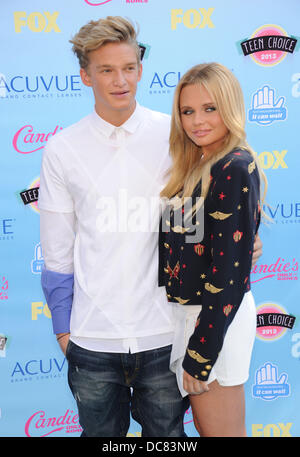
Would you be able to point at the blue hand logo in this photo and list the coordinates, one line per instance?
(268, 384)
(264, 98)
(38, 261)
(264, 108)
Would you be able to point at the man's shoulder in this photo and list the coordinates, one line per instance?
(70, 133)
(157, 122)
(156, 116)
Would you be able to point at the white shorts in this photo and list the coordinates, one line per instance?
(232, 365)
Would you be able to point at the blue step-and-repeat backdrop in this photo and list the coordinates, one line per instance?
(41, 93)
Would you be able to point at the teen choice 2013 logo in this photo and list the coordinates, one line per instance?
(269, 45)
(30, 196)
(272, 321)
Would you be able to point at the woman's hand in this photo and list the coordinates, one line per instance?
(192, 385)
(257, 250)
(63, 339)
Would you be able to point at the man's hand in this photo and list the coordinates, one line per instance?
(63, 339)
(192, 385)
(257, 250)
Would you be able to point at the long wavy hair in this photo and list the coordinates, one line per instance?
(188, 165)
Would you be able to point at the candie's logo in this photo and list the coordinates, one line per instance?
(268, 45)
(3, 288)
(272, 322)
(27, 140)
(39, 425)
(281, 270)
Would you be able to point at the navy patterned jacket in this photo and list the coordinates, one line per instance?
(214, 272)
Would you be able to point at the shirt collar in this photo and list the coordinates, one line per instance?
(129, 126)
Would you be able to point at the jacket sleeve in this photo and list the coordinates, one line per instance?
(233, 216)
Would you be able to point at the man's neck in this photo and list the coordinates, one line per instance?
(114, 117)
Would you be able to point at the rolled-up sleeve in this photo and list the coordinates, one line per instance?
(57, 235)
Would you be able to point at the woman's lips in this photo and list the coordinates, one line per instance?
(200, 133)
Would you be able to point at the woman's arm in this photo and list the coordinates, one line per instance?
(232, 209)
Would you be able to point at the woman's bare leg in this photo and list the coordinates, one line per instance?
(220, 412)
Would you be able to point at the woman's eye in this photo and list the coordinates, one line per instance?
(210, 109)
(186, 111)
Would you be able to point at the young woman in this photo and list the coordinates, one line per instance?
(208, 279)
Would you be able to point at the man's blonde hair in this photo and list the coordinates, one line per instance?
(112, 29)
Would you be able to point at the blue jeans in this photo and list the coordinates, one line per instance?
(108, 386)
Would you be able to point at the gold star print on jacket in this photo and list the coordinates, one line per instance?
(213, 272)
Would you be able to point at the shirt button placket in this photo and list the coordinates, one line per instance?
(120, 135)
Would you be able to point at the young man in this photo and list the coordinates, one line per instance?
(101, 262)
(99, 213)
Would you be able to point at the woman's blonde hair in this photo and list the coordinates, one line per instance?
(188, 164)
(112, 29)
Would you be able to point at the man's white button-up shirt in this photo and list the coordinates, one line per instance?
(100, 185)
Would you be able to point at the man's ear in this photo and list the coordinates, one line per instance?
(85, 78)
(140, 72)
